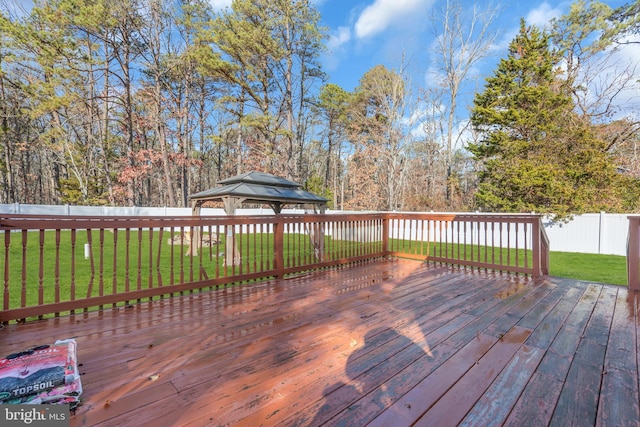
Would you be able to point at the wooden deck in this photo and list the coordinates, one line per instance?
(387, 343)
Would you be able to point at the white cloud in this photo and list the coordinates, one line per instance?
(383, 13)
(336, 48)
(341, 36)
(426, 125)
(424, 121)
(220, 4)
(542, 15)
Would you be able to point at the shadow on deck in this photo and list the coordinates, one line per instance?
(387, 343)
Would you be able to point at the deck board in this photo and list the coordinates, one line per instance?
(451, 408)
(385, 343)
(577, 404)
(619, 400)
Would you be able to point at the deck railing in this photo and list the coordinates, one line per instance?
(633, 254)
(513, 243)
(57, 264)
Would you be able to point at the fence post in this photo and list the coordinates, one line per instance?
(633, 254)
(278, 242)
(600, 231)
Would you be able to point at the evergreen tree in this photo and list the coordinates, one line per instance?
(535, 153)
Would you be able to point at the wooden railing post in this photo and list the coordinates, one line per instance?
(535, 226)
(633, 254)
(540, 250)
(544, 252)
(385, 234)
(278, 237)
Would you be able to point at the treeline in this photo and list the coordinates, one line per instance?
(143, 102)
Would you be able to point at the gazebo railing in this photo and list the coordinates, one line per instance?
(58, 264)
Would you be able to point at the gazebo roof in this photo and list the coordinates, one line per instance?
(260, 178)
(259, 187)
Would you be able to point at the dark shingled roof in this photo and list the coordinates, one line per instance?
(260, 187)
(260, 178)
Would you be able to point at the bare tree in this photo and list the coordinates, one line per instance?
(380, 125)
(463, 37)
(597, 71)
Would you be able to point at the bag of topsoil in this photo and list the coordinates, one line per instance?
(44, 374)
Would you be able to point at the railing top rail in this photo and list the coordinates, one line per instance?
(104, 222)
(35, 216)
(286, 214)
(524, 218)
(332, 216)
(30, 221)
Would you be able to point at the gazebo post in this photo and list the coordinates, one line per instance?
(321, 232)
(316, 234)
(196, 207)
(231, 252)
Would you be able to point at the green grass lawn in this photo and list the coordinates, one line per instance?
(610, 269)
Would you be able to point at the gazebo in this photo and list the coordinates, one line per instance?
(257, 188)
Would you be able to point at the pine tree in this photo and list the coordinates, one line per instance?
(535, 153)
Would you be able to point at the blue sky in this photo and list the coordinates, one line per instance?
(365, 33)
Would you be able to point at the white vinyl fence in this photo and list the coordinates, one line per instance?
(16, 208)
(465, 230)
(597, 233)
